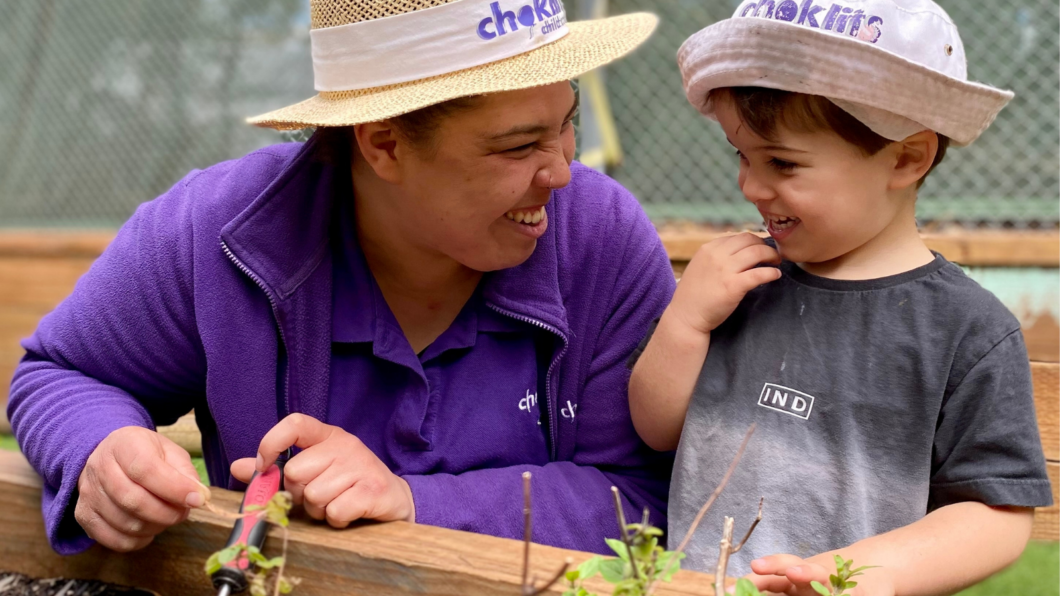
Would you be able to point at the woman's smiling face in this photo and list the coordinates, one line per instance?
(476, 192)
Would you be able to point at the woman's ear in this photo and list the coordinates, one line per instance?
(915, 156)
(378, 144)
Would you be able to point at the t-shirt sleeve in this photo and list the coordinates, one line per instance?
(635, 356)
(987, 447)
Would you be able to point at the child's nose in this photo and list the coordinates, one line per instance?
(754, 188)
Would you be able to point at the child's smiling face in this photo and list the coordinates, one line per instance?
(820, 196)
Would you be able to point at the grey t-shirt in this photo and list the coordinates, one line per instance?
(876, 402)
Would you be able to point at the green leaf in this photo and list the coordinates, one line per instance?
(612, 570)
(619, 547)
(213, 564)
(590, 567)
(744, 587)
(839, 562)
(820, 589)
(666, 566)
(227, 555)
(572, 575)
(836, 582)
(851, 585)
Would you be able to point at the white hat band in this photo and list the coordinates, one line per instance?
(431, 42)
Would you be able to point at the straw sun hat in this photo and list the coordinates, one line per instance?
(376, 59)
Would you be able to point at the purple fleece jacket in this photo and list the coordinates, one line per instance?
(217, 297)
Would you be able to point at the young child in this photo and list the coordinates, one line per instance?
(892, 394)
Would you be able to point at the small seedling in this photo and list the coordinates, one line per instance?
(640, 563)
(262, 570)
(840, 582)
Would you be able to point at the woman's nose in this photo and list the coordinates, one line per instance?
(554, 175)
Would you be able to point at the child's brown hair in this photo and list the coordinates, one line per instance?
(765, 110)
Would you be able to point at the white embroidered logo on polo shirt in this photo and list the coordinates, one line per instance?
(786, 400)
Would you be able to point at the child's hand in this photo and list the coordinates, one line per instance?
(719, 276)
(791, 575)
(336, 476)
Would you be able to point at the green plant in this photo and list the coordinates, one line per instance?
(262, 571)
(640, 563)
(840, 582)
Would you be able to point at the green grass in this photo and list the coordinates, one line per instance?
(8, 443)
(1037, 573)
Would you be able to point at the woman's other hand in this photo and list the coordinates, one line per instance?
(335, 477)
(135, 484)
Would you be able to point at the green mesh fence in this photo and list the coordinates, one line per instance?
(106, 103)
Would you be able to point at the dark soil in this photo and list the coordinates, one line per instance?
(14, 584)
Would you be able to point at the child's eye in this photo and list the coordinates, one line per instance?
(782, 166)
(740, 155)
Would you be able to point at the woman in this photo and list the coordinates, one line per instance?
(427, 299)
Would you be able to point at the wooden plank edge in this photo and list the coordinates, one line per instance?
(1047, 519)
(973, 248)
(54, 243)
(1046, 379)
(380, 559)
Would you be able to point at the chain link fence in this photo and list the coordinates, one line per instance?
(106, 104)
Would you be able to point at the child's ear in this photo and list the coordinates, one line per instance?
(915, 156)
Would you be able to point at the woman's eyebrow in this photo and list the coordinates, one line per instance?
(532, 129)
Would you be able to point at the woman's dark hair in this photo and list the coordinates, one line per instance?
(333, 143)
(765, 110)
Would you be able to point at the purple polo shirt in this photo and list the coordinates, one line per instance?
(468, 401)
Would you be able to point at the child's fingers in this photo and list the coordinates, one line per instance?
(805, 573)
(775, 564)
(751, 279)
(752, 256)
(738, 242)
(773, 584)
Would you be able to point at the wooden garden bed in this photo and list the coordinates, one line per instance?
(373, 559)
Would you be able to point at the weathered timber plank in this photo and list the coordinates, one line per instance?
(1047, 406)
(1047, 519)
(972, 248)
(54, 243)
(968, 247)
(377, 559)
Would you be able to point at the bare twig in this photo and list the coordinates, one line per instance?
(528, 583)
(527, 586)
(751, 529)
(724, 550)
(283, 562)
(555, 578)
(703, 510)
(622, 531)
(717, 491)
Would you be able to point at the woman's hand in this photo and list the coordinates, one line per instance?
(135, 484)
(720, 274)
(335, 477)
(791, 575)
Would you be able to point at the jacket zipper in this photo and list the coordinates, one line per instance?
(275, 315)
(548, 375)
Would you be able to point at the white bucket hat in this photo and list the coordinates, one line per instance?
(898, 66)
(376, 59)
